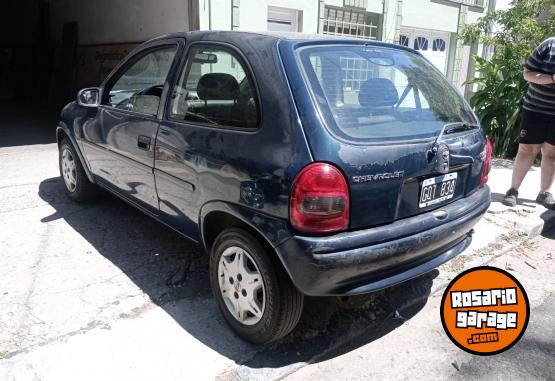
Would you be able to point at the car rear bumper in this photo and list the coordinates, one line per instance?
(368, 260)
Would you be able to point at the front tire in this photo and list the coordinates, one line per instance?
(77, 184)
(256, 297)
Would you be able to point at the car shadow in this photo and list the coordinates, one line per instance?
(173, 272)
(548, 230)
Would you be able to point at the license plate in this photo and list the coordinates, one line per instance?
(437, 189)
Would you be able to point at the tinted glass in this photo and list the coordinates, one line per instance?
(140, 86)
(214, 89)
(438, 45)
(403, 40)
(381, 93)
(420, 43)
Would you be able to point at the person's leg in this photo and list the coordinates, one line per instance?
(548, 166)
(532, 136)
(523, 161)
(548, 170)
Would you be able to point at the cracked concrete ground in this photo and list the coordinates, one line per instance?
(100, 291)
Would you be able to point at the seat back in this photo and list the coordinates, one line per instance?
(378, 92)
(217, 86)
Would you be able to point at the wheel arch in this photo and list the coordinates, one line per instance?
(62, 132)
(218, 215)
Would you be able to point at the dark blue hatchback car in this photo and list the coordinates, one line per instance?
(305, 165)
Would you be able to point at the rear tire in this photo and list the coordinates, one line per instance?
(76, 183)
(278, 305)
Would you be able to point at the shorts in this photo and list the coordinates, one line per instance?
(536, 128)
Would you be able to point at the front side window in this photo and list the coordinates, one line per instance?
(215, 89)
(139, 87)
(381, 94)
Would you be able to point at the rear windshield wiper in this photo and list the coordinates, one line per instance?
(450, 128)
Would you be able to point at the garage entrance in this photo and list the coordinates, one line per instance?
(434, 45)
(50, 49)
(284, 19)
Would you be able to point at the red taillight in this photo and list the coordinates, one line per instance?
(320, 200)
(487, 162)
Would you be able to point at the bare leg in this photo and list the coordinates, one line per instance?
(524, 160)
(548, 166)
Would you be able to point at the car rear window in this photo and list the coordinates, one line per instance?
(381, 94)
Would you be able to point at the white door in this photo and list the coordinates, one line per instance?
(433, 45)
(283, 19)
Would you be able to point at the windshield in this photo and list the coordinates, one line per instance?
(381, 94)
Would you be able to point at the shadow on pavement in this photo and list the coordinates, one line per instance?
(173, 272)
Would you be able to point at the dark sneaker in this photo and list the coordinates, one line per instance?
(510, 197)
(546, 199)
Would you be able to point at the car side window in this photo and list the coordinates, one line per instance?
(139, 88)
(215, 89)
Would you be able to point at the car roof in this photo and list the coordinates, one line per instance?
(200, 34)
(296, 37)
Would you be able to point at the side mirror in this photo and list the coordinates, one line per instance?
(89, 97)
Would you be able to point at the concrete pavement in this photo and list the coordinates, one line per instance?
(100, 291)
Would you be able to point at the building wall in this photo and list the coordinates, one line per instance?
(108, 21)
(254, 13)
(427, 14)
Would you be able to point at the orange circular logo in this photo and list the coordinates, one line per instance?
(485, 310)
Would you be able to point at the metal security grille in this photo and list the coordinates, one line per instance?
(349, 22)
(472, 3)
(355, 3)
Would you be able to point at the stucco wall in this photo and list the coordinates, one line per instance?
(430, 15)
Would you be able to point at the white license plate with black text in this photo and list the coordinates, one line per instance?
(437, 189)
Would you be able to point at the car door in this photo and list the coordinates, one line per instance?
(211, 114)
(119, 142)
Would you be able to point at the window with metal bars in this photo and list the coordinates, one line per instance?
(472, 3)
(349, 22)
(354, 72)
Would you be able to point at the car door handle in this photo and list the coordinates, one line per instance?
(143, 142)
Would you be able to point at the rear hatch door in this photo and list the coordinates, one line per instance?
(405, 139)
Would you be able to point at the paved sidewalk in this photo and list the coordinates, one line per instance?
(503, 227)
(527, 217)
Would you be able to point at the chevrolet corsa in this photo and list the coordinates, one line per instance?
(304, 165)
